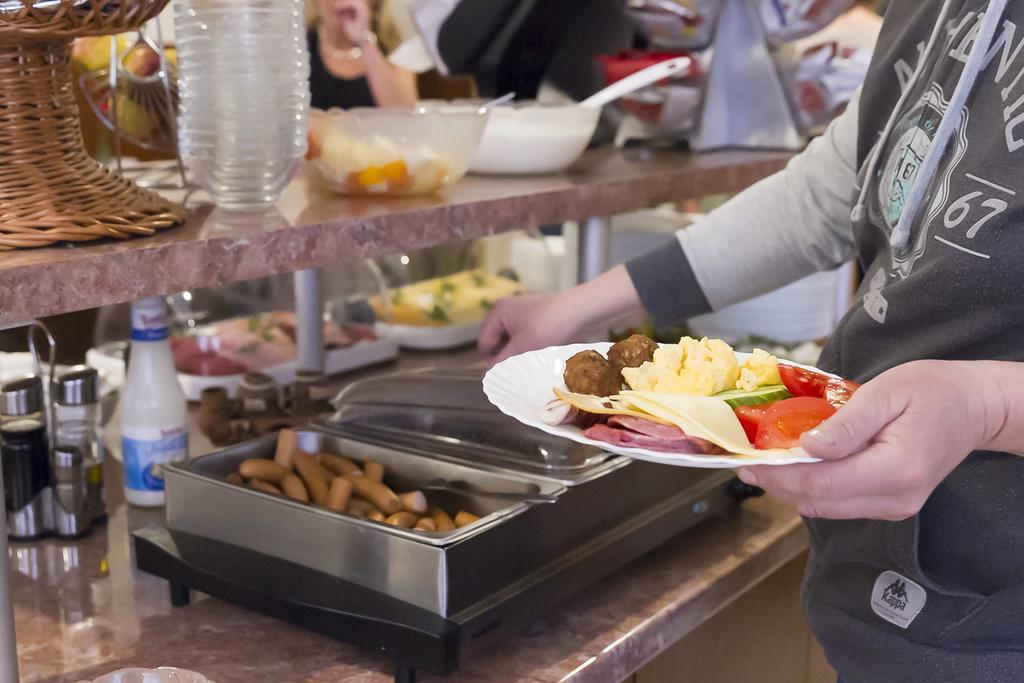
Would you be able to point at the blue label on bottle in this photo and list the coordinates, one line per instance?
(144, 458)
(155, 334)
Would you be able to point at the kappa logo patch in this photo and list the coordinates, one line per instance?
(897, 599)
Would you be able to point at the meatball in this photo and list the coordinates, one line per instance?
(589, 373)
(632, 352)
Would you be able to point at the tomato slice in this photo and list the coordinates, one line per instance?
(784, 422)
(801, 382)
(839, 391)
(750, 417)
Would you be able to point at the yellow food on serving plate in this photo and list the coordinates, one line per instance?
(457, 299)
(760, 369)
(701, 417)
(375, 165)
(610, 405)
(702, 368)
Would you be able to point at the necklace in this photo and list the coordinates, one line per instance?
(349, 54)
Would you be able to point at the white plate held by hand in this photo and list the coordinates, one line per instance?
(521, 388)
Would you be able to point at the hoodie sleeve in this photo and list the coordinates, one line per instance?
(790, 225)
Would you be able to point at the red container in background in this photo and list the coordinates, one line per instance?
(674, 98)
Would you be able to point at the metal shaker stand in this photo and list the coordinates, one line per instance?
(743, 73)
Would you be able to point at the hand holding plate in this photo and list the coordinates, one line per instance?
(886, 450)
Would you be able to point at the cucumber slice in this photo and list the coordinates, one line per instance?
(738, 397)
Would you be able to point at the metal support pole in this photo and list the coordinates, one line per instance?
(8, 644)
(309, 315)
(593, 249)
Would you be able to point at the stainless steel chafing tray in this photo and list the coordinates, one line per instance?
(423, 598)
(415, 567)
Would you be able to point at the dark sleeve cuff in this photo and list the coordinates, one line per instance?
(667, 286)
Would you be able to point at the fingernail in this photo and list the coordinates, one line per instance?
(747, 477)
(823, 435)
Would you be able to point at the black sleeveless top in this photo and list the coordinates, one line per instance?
(330, 91)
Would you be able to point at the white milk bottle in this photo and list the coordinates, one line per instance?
(153, 431)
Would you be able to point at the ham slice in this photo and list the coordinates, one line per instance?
(635, 432)
(648, 427)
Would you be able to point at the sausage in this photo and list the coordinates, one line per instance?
(358, 507)
(465, 519)
(266, 470)
(377, 493)
(293, 487)
(326, 474)
(287, 446)
(338, 464)
(425, 524)
(374, 470)
(307, 468)
(442, 519)
(234, 478)
(406, 520)
(338, 494)
(414, 502)
(376, 515)
(264, 486)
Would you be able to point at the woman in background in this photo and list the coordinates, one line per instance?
(347, 67)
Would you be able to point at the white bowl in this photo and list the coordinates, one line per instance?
(532, 139)
(393, 151)
(163, 674)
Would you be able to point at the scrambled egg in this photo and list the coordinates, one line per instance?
(760, 369)
(702, 368)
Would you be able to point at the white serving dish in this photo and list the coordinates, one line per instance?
(336, 361)
(530, 138)
(163, 674)
(427, 338)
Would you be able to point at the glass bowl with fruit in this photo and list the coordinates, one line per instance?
(391, 151)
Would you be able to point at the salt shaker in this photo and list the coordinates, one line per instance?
(78, 418)
(71, 514)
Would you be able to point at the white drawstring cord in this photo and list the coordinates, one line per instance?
(890, 125)
(947, 127)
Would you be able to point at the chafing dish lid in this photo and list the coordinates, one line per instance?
(446, 412)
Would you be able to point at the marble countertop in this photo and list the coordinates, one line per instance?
(82, 610)
(309, 229)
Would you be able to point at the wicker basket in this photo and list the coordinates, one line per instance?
(50, 189)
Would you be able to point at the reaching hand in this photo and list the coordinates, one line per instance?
(524, 323)
(896, 440)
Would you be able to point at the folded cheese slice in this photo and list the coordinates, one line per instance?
(704, 417)
(610, 405)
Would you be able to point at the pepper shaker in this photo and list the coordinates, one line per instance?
(71, 514)
(24, 450)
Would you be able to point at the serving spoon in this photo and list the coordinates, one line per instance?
(640, 79)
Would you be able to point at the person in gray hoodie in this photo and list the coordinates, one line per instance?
(916, 514)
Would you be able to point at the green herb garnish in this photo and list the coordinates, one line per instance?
(439, 314)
